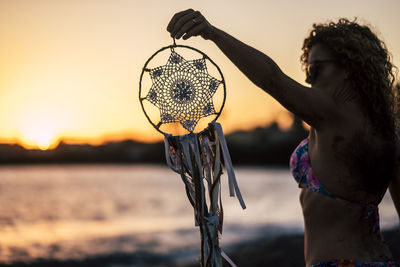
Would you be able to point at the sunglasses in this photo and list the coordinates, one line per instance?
(313, 67)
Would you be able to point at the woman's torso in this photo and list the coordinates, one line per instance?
(353, 167)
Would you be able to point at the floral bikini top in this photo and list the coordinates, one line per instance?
(300, 167)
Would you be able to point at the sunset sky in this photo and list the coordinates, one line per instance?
(69, 69)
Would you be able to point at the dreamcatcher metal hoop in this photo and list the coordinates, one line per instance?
(146, 69)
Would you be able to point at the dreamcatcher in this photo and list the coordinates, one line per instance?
(182, 92)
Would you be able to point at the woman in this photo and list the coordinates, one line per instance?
(350, 157)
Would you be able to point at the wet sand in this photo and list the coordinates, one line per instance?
(282, 251)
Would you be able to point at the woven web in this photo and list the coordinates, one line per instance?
(183, 91)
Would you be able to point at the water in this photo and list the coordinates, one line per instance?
(79, 211)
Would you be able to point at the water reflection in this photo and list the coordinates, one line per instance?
(74, 211)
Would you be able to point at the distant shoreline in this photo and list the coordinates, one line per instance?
(268, 146)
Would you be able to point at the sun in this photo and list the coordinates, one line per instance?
(43, 139)
(39, 130)
(38, 137)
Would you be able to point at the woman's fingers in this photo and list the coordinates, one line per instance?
(178, 20)
(188, 23)
(194, 31)
(176, 17)
(182, 25)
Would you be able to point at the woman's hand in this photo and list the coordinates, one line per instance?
(190, 23)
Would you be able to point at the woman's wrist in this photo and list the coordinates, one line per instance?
(211, 33)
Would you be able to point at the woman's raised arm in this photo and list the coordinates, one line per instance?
(312, 105)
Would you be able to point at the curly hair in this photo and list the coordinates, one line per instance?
(368, 63)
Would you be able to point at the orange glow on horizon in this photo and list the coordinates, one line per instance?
(38, 138)
(38, 135)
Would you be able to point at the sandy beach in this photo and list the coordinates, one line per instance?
(282, 251)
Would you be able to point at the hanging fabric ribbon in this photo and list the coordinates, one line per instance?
(199, 159)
